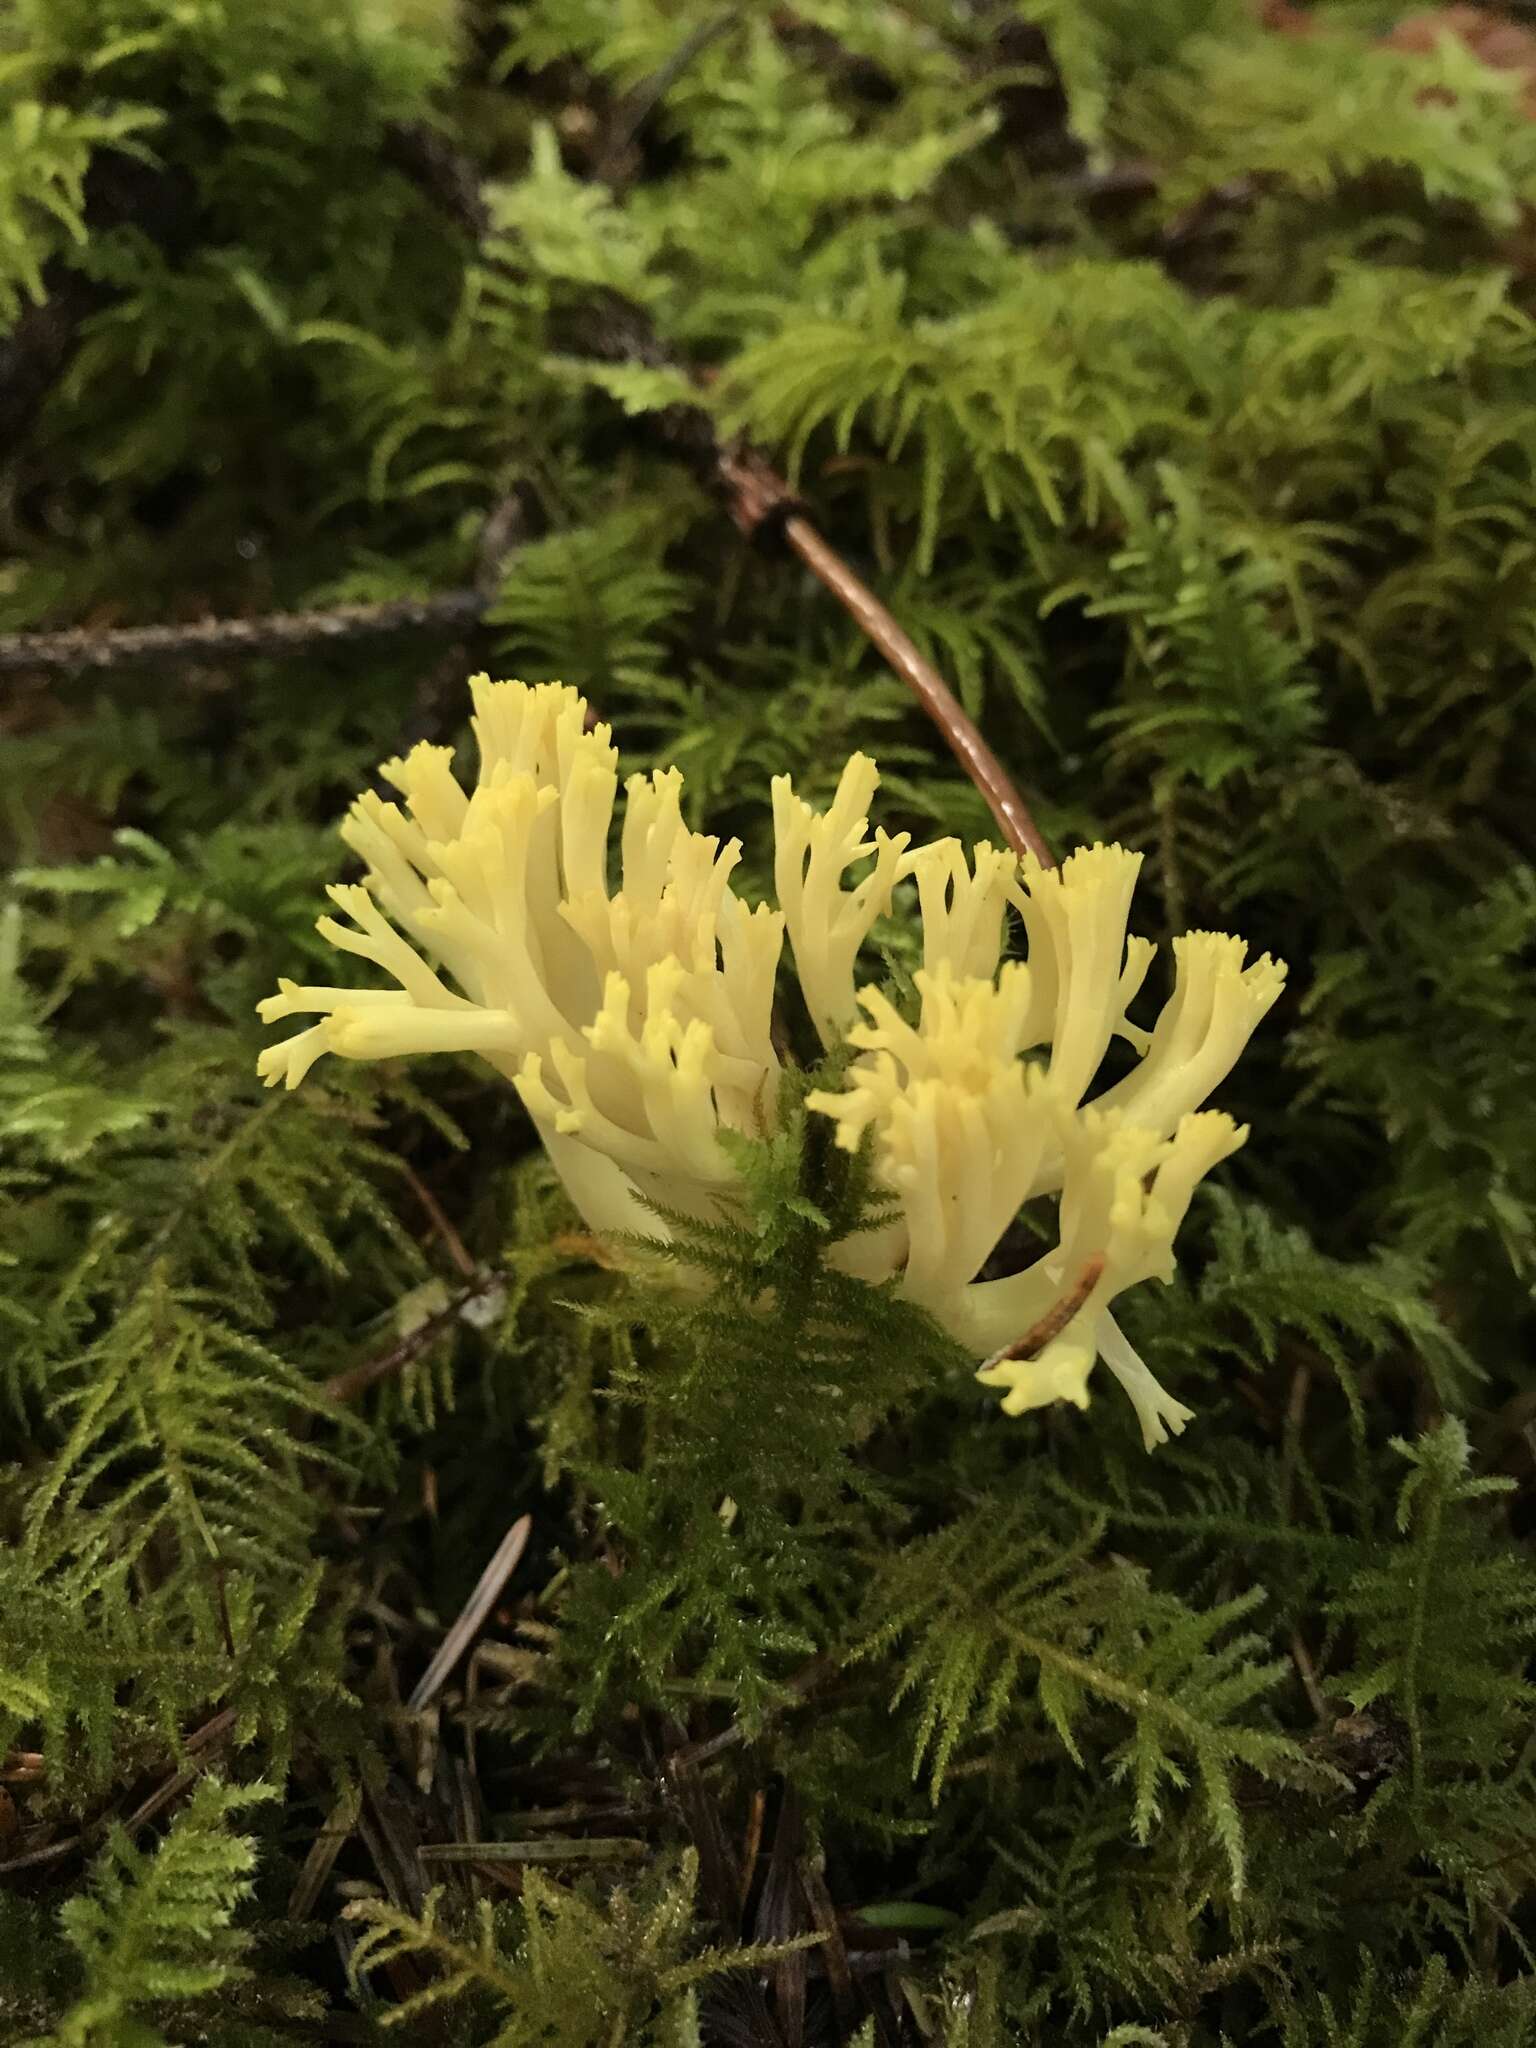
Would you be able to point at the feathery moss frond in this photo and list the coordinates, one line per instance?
(1045, 1623)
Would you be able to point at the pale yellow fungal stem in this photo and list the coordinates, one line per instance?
(960, 1121)
(1216, 1006)
(828, 924)
(1158, 1413)
(1126, 1194)
(962, 907)
(1075, 918)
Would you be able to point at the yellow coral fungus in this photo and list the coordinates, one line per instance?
(636, 1024)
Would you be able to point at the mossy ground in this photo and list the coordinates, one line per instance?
(1168, 372)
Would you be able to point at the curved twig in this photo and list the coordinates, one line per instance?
(919, 674)
(760, 497)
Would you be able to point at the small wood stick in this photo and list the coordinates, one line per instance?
(1056, 1317)
(79, 649)
(456, 1248)
(1306, 1671)
(475, 1609)
(323, 1851)
(753, 1844)
(834, 1954)
(760, 498)
(346, 1386)
(926, 684)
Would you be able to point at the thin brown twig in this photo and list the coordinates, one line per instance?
(752, 1846)
(51, 1852)
(357, 1379)
(200, 1745)
(693, 1754)
(926, 684)
(323, 1851)
(163, 1796)
(1306, 1671)
(759, 497)
(638, 106)
(833, 1955)
(452, 1242)
(472, 1615)
(781, 1911)
(1056, 1317)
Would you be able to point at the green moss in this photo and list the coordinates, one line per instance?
(1170, 378)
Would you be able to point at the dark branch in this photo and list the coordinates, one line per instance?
(440, 174)
(636, 108)
(346, 1386)
(72, 652)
